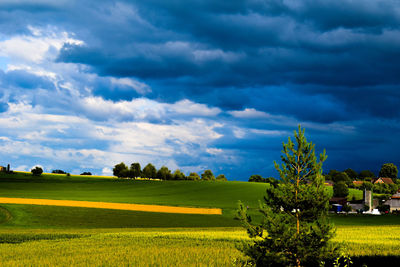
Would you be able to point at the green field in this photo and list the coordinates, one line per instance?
(65, 236)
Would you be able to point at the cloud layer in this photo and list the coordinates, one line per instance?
(199, 84)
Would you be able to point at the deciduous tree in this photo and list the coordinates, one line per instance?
(351, 173)
(207, 175)
(389, 170)
(37, 171)
(178, 175)
(366, 174)
(121, 170)
(135, 170)
(221, 177)
(164, 173)
(340, 189)
(149, 171)
(193, 176)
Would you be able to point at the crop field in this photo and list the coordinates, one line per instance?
(32, 235)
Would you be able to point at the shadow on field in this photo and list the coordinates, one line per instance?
(375, 261)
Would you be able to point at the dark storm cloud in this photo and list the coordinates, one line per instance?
(203, 47)
(328, 64)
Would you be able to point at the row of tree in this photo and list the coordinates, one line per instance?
(388, 170)
(121, 170)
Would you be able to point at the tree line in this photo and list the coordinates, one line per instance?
(344, 180)
(121, 170)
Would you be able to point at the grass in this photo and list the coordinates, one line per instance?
(32, 235)
(166, 247)
(34, 216)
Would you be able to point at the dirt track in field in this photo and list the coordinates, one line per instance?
(108, 205)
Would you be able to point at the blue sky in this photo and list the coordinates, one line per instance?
(198, 84)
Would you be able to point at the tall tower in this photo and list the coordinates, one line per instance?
(368, 198)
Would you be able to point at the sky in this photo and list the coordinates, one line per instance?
(198, 84)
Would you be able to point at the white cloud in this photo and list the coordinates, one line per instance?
(139, 87)
(107, 171)
(249, 113)
(30, 133)
(269, 132)
(142, 109)
(187, 107)
(36, 47)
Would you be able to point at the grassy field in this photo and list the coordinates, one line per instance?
(33, 235)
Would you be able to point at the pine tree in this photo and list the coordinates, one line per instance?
(294, 230)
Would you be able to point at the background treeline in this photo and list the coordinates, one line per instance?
(345, 179)
(121, 170)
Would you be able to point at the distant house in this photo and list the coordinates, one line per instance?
(338, 200)
(2, 169)
(394, 202)
(358, 183)
(382, 180)
(328, 183)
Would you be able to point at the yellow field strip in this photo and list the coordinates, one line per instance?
(108, 205)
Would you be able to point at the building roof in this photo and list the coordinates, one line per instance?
(358, 182)
(383, 180)
(338, 200)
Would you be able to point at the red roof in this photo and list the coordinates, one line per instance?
(358, 182)
(383, 180)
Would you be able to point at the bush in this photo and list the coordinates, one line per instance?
(58, 172)
(384, 208)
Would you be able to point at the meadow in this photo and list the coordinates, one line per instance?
(32, 235)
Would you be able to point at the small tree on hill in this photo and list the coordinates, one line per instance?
(121, 170)
(164, 173)
(178, 175)
(149, 171)
(389, 170)
(294, 230)
(256, 178)
(193, 176)
(58, 172)
(37, 171)
(135, 170)
(207, 175)
(221, 177)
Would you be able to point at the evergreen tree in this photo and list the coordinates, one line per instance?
(294, 230)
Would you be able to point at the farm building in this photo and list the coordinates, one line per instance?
(358, 183)
(382, 180)
(2, 169)
(394, 202)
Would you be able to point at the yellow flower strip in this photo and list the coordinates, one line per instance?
(108, 205)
